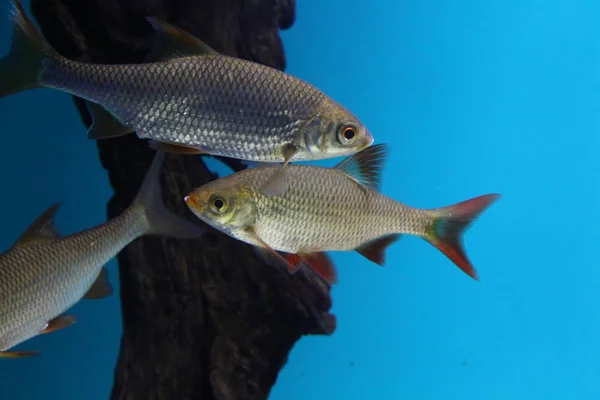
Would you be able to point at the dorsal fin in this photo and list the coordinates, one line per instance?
(171, 42)
(42, 229)
(365, 166)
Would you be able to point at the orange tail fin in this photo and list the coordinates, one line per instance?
(450, 223)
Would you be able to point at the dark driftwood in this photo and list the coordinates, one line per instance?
(204, 319)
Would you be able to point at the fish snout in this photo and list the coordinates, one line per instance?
(197, 201)
(368, 139)
(191, 200)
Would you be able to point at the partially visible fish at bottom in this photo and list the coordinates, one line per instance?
(43, 274)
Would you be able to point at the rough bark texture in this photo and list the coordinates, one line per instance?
(204, 319)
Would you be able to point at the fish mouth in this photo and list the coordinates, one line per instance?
(193, 204)
(370, 140)
(362, 146)
(189, 201)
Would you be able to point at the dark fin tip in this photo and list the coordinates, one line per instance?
(365, 166)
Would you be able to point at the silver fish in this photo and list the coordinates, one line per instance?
(190, 99)
(329, 209)
(44, 273)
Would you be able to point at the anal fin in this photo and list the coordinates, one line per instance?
(104, 124)
(375, 249)
(101, 287)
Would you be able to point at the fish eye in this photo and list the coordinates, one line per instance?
(347, 135)
(218, 204)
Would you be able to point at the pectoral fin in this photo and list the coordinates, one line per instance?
(18, 354)
(269, 250)
(277, 184)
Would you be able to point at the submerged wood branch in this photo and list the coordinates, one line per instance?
(204, 319)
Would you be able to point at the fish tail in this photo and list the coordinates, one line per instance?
(450, 223)
(19, 69)
(160, 220)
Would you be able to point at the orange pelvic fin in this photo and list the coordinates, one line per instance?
(320, 262)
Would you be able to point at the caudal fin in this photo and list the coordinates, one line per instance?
(20, 68)
(449, 225)
(160, 220)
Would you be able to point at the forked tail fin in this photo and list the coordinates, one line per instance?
(160, 220)
(449, 225)
(20, 68)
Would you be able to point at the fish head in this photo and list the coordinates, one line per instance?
(334, 132)
(225, 204)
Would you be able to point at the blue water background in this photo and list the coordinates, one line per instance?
(473, 97)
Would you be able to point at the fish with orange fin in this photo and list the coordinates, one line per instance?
(330, 209)
(44, 273)
(319, 262)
